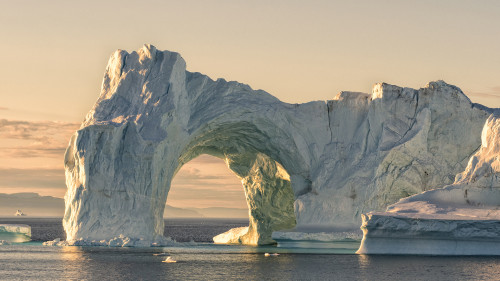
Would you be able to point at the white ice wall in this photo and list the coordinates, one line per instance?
(353, 154)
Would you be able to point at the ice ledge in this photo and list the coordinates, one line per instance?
(386, 233)
(419, 246)
(120, 241)
(318, 238)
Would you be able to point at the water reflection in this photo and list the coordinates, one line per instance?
(364, 262)
(73, 263)
(103, 263)
(210, 262)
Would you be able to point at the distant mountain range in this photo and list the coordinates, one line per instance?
(34, 205)
(212, 212)
(31, 204)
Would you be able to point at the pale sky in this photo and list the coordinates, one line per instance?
(53, 55)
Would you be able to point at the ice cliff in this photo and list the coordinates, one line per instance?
(318, 164)
(460, 219)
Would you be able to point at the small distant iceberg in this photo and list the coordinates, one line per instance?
(20, 213)
(161, 254)
(169, 260)
(231, 236)
(15, 233)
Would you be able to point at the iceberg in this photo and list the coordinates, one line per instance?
(318, 238)
(321, 163)
(232, 236)
(15, 233)
(460, 219)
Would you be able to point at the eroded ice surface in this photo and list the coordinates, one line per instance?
(321, 163)
(459, 219)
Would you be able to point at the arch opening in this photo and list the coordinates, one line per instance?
(266, 183)
(205, 188)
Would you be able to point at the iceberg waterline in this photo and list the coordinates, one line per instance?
(460, 219)
(319, 163)
(14, 233)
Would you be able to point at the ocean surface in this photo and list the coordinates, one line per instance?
(203, 260)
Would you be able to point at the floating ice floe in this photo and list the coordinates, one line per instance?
(169, 260)
(15, 233)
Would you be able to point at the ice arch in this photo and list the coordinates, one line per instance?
(356, 153)
(267, 189)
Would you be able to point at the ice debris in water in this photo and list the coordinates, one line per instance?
(120, 241)
(169, 260)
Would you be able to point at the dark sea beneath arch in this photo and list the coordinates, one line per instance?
(205, 261)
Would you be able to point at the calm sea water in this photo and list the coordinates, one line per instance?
(206, 261)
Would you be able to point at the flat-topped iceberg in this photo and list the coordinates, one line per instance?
(15, 233)
(459, 219)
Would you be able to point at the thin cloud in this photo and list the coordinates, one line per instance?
(25, 139)
(3, 108)
(484, 95)
(195, 179)
(193, 197)
(206, 183)
(39, 131)
(494, 93)
(31, 152)
(187, 193)
(31, 179)
(206, 159)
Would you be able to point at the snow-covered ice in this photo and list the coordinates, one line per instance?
(322, 163)
(460, 219)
